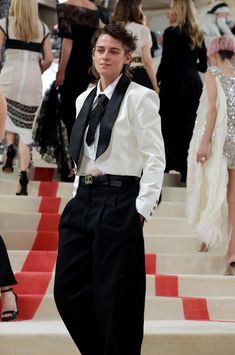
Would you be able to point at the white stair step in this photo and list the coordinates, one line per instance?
(177, 194)
(168, 225)
(158, 308)
(172, 264)
(31, 205)
(9, 187)
(170, 209)
(161, 338)
(192, 285)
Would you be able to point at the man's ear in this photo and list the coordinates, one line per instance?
(93, 53)
(128, 58)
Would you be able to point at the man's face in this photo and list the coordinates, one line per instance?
(109, 57)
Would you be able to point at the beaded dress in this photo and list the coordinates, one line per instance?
(206, 203)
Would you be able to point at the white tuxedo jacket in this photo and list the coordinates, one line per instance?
(136, 145)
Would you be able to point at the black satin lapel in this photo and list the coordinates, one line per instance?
(111, 114)
(79, 126)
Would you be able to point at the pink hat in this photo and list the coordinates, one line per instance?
(223, 43)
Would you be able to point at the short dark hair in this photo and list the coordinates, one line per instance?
(119, 32)
(226, 54)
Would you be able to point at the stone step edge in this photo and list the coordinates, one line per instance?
(151, 327)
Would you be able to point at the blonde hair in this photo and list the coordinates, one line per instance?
(187, 18)
(25, 13)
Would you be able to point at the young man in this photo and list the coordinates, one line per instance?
(100, 272)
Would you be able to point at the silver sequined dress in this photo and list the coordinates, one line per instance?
(228, 85)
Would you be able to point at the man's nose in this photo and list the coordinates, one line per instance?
(106, 54)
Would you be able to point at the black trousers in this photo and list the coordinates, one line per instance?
(100, 273)
(7, 277)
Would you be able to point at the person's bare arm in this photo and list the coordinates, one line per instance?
(203, 150)
(3, 112)
(2, 40)
(65, 54)
(47, 55)
(148, 63)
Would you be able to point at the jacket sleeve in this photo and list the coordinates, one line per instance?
(147, 125)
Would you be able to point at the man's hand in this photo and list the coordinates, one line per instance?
(142, 219)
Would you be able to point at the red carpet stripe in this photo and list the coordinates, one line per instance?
(36, 273)
(195, 309)
(49, 222)
(28, 305)
(48, 189)
(27, 285)
(43, 174)
(166, 285)
(49, 204)
(151, 264)
(46, 241)
(39, 261)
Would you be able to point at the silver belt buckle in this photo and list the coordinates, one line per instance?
(88, 180)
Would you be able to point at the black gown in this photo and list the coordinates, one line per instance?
(180, 91)
(7, 277)
(78, 24)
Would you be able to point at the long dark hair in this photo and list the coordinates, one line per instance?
(128, 11)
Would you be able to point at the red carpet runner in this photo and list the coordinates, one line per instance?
(36, 272)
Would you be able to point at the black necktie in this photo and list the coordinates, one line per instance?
(95, 117)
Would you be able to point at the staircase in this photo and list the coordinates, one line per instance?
(190, 305)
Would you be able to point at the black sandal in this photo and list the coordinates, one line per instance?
(13, 314)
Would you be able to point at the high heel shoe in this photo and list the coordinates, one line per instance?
(8, 166)
(203, 248)
(230, 270)
(12, 314)
(23, 184)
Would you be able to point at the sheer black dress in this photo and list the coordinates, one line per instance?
(180, 91)
(78, 24)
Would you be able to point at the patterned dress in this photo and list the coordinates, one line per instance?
(20, 79)
(206, 203)
(228, 85)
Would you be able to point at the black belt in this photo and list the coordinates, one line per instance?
(108, 180)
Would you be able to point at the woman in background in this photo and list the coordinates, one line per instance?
(183, 54)
(211, 162)
(77, 20)
(28, 54)
(7, 278)
(129, 12)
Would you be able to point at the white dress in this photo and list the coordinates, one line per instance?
(20, 79)
(206, 204)
(143, 35)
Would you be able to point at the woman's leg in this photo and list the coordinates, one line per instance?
(7, 279)
(11, 153)
(24, 156)
(9, 305)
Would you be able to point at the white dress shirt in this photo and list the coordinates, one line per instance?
(88, 165)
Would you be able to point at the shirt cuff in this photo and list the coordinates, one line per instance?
(146, 210)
